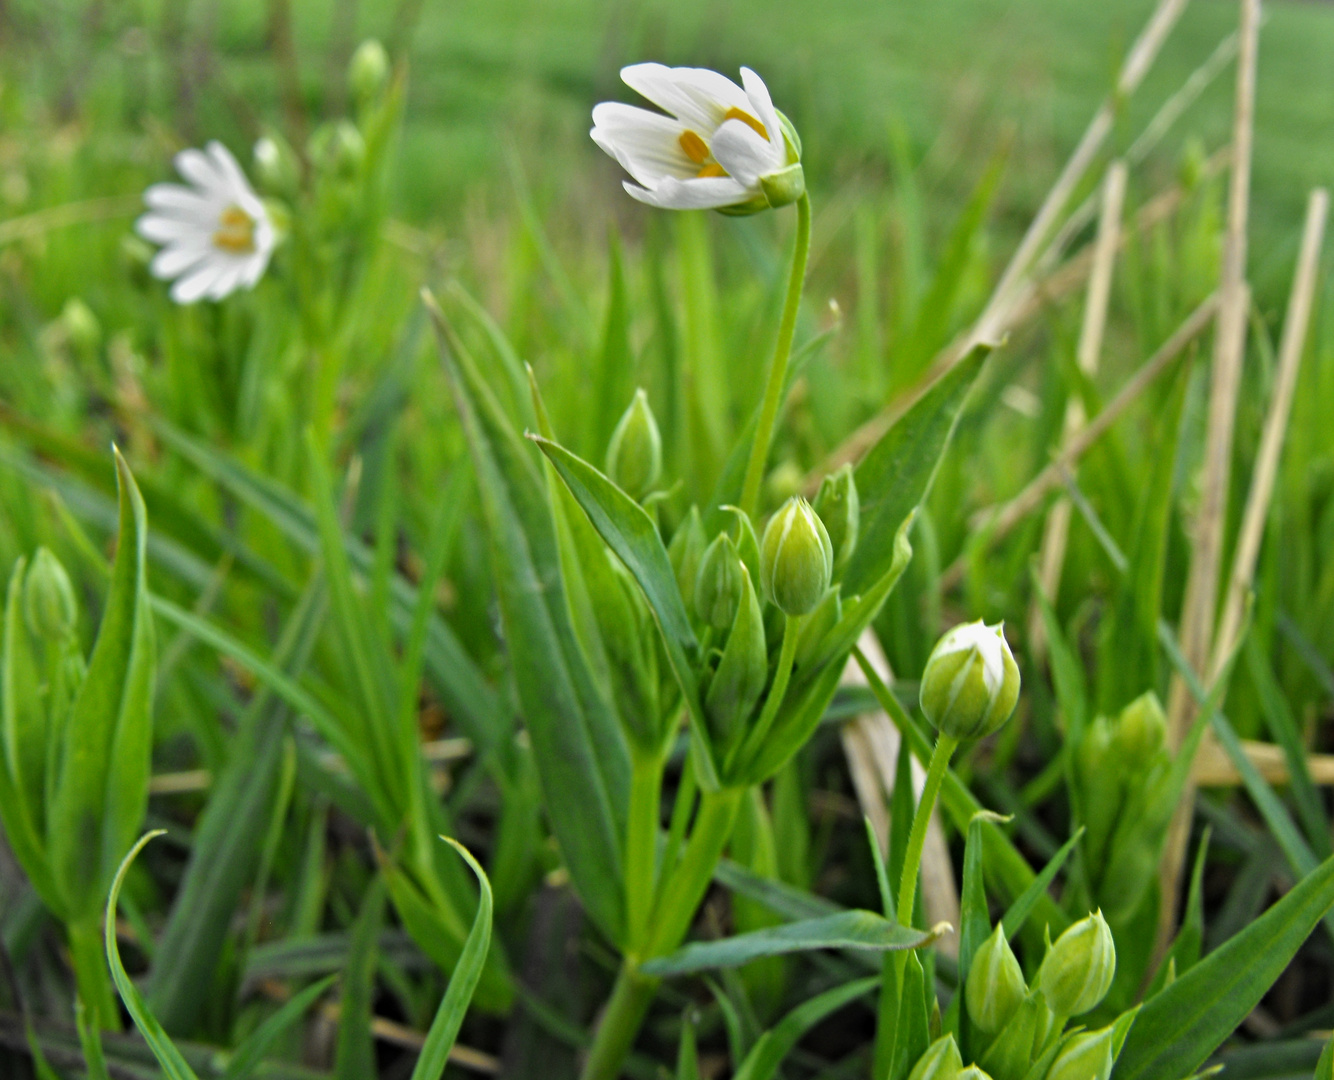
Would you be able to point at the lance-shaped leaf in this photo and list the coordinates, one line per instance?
(1180, 1027)
(102, 790)
(846, 930)
(774, 1045)
(578, 745)
(628, 530)
(895, 476)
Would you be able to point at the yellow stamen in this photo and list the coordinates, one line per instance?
(236, 231)
(740, 114)
(696, 149)
(712, 169)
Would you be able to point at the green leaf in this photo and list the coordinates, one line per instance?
(250, 1054)
(579, 748)
(173, 1064)
(454, 1006)
(354, 1057)
(895, 476)
(687, 1057)
(846, 930)
(1324, 1069)
(1024, 904)
(102, 790)
(1180, 1027)
(774, 1045)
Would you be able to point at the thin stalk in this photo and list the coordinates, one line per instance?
(773, 391)
(641, 844)
(912, 857)
(91, 975)
(777, 691)
(619, 1024)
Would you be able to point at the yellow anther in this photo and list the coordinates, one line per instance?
(712, 169)
(696, 149)
(236, 231)
(740, 114)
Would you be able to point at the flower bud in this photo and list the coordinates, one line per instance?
(48, 598)
(1141, 730)
(796, 558)
(1087, 1056)
(718, 585)
(941, 1061)
(276, 166)
(971, 682)
(368, 71)
(634, 455)
(685, 552)
(840, 510)
(995, 987)
(82, 330)
(1077, 972)
(972, 1073)
(742, 671)
(338, 147)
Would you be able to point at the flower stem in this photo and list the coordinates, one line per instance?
(620, 1023)
(746, 750)
(91, 975)
(641, 844)
(912, 857)
(773, 391)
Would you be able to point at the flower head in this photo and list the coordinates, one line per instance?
(971, 682)
(1077, 972)
(721, 146)
(215, 234)
(796, 558)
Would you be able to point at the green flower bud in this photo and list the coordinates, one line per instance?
(338, 147)
(1077, 972)
(796, 558)
(82, 330)
(995, 987)
(941, 1061)
(1141, 730)
(743, 670)
(685, 552)
(276, 168)
(368, 71)
(840, 510)
(1087, 1056)
(634, 455)
(48, 598)
(718, 586)
(972, 1073)
(971, 682)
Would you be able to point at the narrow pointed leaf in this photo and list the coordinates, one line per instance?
(774, 1045)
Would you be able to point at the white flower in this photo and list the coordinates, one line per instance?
(216, 236)
(713, 149)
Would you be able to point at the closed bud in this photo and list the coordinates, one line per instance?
(685, 552)
(368, 71)
(1087, 1056)
(941, 1061)
(971, 682)
(338, 147)
(972, 1073)
(48, 598)
(840, 510)
(1141, 730)
(718, 585)
(276, 166)
(634, 455)
(995, 987)
(742, 671)
(82, 329)
(796, 558)
(1077, 971)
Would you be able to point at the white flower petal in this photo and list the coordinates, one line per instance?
(164, 230)
(202, 171)
(705, 193)
(194, 285)
(698, 96)
(177, 200)
(228, 168)
(743, 153)
(176, 259)
(227, 280)
(763, 107)
(254, 268)
(645, 144)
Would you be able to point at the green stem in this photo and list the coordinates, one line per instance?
(773, 391)
(787, 654)
(91, 974)
(641, 844)
(619, 1024)
(912, 858)
(679, 896)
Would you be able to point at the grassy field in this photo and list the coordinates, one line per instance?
(381, 616)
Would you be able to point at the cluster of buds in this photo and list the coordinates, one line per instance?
(1013, 1024)
(1123, 772)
